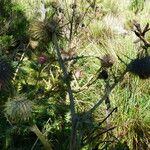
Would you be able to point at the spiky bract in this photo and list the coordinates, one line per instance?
(19, 109)
(107, 61)
(44, 31)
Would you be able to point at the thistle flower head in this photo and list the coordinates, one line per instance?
(44, 30)
(103, 75)
(19, 109)
(42, 59)
(107, 61)
(140, 67)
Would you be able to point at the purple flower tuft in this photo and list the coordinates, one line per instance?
(42, 59)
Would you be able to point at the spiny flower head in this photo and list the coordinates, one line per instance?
(107, 61)
(140, 67)
(19, 109)
(42, 59)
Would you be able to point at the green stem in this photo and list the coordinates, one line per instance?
(38, 77)
(41, 137)
(74, 116)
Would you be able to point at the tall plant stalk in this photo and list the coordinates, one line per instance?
(74, 117)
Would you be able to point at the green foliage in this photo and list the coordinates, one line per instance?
(6, 41)
(96, 45)
(6, 73)
(13, 16)
(121, 146)
(111, 6)
(137, 5)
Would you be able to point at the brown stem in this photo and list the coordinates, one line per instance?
(146, 43)
(72, 20)
(100, 123)
(141, 34)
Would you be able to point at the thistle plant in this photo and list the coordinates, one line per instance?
(44, 30)
(19, 111)
(140, 66)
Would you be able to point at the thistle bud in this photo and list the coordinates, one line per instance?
(107, 61)
(140, 67)
(103, 75)
(19, 109)
(42, 59)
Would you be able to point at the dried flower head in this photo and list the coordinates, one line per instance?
(68, 54)
(34, 44)
(44, 30)
(107, 61)
(78, 73)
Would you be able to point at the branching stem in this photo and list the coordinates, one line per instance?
(71, 97)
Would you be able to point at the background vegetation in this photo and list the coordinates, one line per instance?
(74, 75)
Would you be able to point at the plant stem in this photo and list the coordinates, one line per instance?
(18, 65)
(72, 20)
(107, 93)
(38, 76)
(37, 138)
(41, 137)
(71, 97)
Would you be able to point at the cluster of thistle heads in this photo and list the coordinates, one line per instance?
(107, 61)
(141, 65)
(19, 109)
